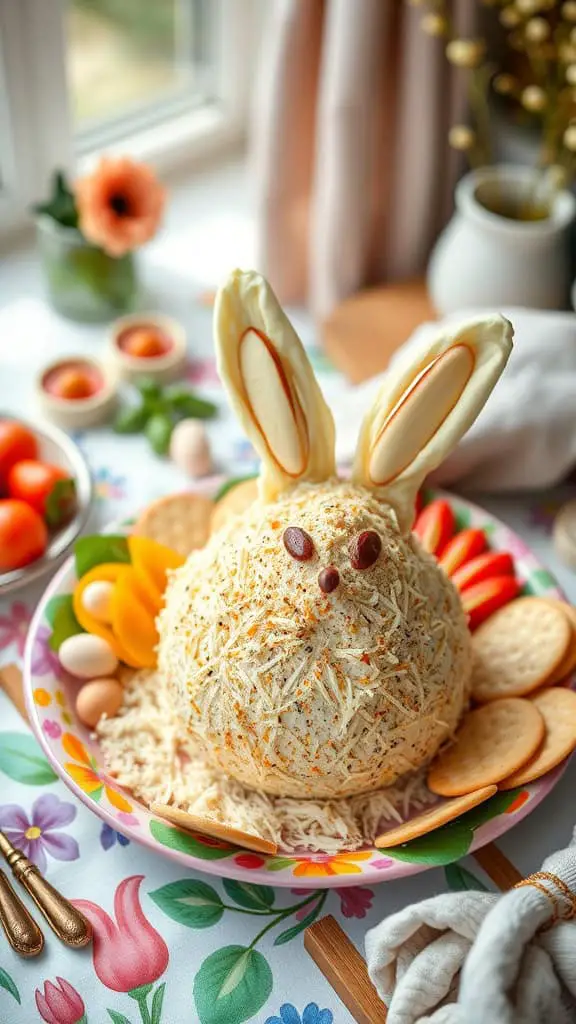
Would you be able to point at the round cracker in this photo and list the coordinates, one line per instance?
(564, 534)
(434, 818)
(234, 502)
(568, 663)
(518, 648)
(557, 706)
(215, 829)
(180, 521)
(492, 742)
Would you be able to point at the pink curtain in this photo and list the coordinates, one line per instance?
(354, 175)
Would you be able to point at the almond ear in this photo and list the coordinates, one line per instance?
(426, 404)
(271, 385)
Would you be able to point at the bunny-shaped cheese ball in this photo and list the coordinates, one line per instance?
(312, 645)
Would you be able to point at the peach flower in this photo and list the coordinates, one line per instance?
(120, 205)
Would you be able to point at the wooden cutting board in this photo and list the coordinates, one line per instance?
(363, 332)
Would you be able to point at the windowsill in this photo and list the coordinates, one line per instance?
(185, 142)
(209, 228)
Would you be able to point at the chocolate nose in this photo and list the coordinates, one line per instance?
(329, 579)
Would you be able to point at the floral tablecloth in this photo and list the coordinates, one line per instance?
(174, 947)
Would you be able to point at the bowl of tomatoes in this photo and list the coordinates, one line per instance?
(45, 496)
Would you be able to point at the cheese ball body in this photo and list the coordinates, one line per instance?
(302, 693)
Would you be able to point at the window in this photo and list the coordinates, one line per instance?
(165, 80)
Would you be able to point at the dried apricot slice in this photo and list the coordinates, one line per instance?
(132, 621)
(151, 562)
(109, 572)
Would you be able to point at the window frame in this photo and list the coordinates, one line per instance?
(35, 115)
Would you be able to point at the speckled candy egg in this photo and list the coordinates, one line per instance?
(87, 657)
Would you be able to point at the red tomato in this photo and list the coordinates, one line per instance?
(16, 443)
(23, 535)
(47, 489)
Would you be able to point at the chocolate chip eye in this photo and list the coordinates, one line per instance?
(364, 549)
(298, 543)
(329, 579)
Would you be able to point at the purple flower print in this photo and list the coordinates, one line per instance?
(52, 728)
(109, 837)
(45, 661)
(14, 627)
(36, 836)
(355, 901)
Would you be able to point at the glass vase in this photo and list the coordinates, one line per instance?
(84, 282)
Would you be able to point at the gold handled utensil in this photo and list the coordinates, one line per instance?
(19, 926)
(65, 920)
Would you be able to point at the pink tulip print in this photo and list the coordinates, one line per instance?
(129, 954)
(60, 1003)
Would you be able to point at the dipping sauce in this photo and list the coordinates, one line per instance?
(73, 381)
(144, 341)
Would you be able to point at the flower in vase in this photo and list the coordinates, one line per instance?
(120, 205)
(39, 835)
(60, 1004)
(128, 953)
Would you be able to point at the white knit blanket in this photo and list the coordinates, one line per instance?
(480, 958)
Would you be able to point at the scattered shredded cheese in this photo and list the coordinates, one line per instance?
(147, 751)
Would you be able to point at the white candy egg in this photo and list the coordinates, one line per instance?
(97, 698)
(96, 599)
(87, 657)
(190, 448)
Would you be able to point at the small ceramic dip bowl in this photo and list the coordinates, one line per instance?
(148, 344)
(76, 392)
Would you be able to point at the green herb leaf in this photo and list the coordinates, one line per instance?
(252, 897)
(231, 986)
(185, 403)
(189, 902)
(53, 606)
(159, 431)
(148, 387)
(7, 982)
(91, 551)
(22, 760)
(131, 421)
(65, 622)
(61, 503)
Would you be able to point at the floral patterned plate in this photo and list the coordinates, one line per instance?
(76, 758)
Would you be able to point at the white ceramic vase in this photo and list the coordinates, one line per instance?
(483, 259)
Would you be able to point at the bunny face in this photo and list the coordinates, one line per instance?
(304, 693)
(312, 645)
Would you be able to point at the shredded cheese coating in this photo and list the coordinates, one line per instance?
(149, 752)
(300, 694)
